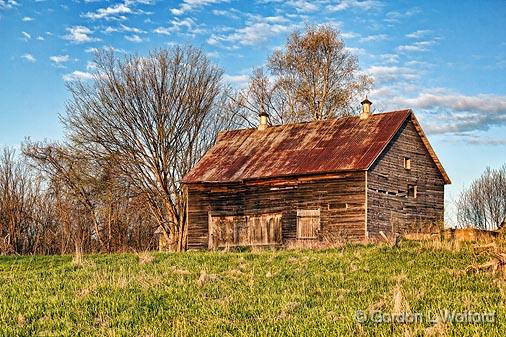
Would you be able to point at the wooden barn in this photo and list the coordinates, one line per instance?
(343, 179)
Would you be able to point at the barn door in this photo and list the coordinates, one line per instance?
(229, 231)
(222, 231)
(308, 224)
(264, 229)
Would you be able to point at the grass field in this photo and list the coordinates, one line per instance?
(265, 293)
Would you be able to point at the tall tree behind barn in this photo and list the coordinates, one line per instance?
(343, 179)
(313, 77)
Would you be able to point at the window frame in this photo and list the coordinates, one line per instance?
(414, 188)
(407, 163)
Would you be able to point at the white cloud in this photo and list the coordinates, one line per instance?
(237, 80)
(91, 50)
(180, 25)
(189, 5)
(78, 76)
(389, 58)
(109, 12)
(257, 30)
(133, 38)
(231, 13)
(480, 140)
(444, 111)
(8, 4)
(26, 36)
(374, 38)
(58, 60)
(350, 4)
(303, 5)
(26, 19)
(419, 34)
(419, 46)
(349, 35)
(161, 30)
(29, 57)
(124, 28)
(355, 51)
(40, 38)
(386, 74)
(79, 34)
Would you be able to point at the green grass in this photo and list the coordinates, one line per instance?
(265, 293)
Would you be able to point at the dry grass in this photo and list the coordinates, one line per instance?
(145, 257)
(205, 278)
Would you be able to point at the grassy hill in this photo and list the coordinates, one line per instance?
(265, 293)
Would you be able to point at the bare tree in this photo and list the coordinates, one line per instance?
(72, 180)
(483, 204)
(153, 117)
(313, 78)
(26, 215)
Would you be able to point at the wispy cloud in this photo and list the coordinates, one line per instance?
(419, 34)
(26, 36)
(115, 11)
(230, 13)
(78, 75)
(79, 34)
(133, 38)
(189, 5)
(177, 25)
(450, 112)
(419, 46)
(29, 57)
(257, 30)
(374, 38)
(27, 19)
(237, 80)
(481, 140)
(59, 60)
(7, 4)
(124, 28)
(303, 5)
(162, 31)
(387, 74)
(351, 4)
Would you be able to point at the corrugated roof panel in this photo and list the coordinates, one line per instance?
(342, 144)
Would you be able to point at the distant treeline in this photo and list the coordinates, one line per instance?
(84, 206)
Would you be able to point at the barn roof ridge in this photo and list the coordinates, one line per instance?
(340, 144)
(315, 122)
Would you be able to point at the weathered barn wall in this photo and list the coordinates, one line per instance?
(339, 197)
(390, 209)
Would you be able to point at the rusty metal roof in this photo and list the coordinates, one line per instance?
(342, 144)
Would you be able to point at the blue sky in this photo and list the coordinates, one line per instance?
(444, 59)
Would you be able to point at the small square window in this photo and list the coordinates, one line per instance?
(412, 191)
(407, 163)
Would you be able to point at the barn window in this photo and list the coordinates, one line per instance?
(337, 205)
(412, 191)
(407, 163)
(308, 224)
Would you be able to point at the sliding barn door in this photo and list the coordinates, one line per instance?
(257, 230)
